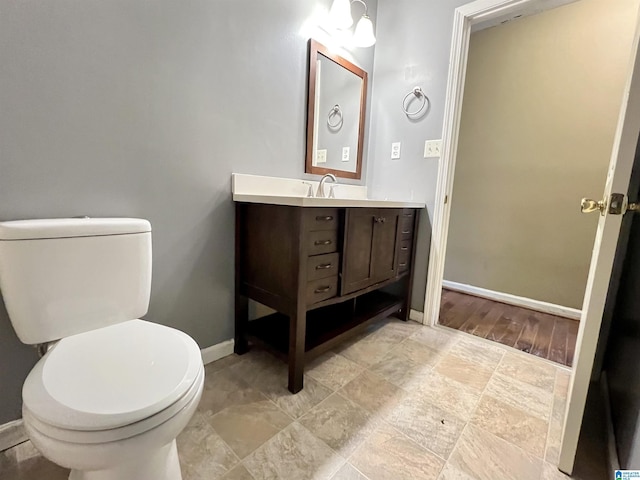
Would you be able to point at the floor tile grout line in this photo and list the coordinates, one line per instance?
(510, 443)
(344, 458)
(546, 442)
(528, 386)
(484, 393)
(356, 469)
(455, 446)
(484, 390)
(386, 421)
(408, 438)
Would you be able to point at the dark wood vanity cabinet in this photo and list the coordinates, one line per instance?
(326, 271)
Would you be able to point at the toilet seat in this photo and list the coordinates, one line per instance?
(121, 433)
(134, 374)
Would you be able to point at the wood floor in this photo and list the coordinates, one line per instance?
(540, 334)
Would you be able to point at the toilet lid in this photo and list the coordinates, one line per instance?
(113, 376)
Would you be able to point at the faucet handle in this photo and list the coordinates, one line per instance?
(332, 191)
(309, 190)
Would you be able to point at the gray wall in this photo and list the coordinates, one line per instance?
(144, 109)
(414, 41)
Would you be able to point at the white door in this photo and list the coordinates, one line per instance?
(604, 250)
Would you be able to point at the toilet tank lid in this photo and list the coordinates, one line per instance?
(71, 227)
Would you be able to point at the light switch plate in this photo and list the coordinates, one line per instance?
(321, 156)
(395, 150)
(345, 154)
(432, 148)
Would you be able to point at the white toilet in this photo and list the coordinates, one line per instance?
(110, 397)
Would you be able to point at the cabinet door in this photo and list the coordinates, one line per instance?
(385, 240)
(358, 248)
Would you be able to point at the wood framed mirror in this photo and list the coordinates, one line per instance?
(336, 106)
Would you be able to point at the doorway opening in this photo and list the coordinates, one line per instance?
(537, 128)
(608, 232)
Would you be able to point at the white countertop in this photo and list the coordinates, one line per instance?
(324, 202)
(292, 192)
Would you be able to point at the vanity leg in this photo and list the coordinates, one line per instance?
(242, 322)
(241, 302)
(297, 332)
(408, 282)
(403, 312)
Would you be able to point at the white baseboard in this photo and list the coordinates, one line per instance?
(216, 352)
(524, 302)
(11, 434)
(416, 316)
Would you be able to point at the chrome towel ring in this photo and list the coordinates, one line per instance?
(420, 95)
(336, 111)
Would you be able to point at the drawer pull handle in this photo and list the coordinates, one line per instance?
(322, 290)
(324, 266)
(328, 218)
(323, 242)
(380, 219)
(404, 248)
(408, 215)
(404, 232)
(403, 264)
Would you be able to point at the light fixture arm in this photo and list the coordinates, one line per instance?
(366, 9)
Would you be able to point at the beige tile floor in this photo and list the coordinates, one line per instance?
(402, 401)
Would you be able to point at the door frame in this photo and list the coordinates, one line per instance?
(465, 17)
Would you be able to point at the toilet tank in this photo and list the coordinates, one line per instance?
(61, 277)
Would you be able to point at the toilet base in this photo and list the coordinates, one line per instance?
(162, 464)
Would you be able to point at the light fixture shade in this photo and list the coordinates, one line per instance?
(363, 36)
(340, 14)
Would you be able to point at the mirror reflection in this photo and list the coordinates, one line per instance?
(337, 99)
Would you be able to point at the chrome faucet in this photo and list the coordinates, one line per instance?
(328, 176)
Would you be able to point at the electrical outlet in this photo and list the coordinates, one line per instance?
(432, 148)
(345, 154)
(321, 156)
(395, 150)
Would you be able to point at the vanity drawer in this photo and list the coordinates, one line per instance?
(406, 225)
(322, 241)
(322, 289)
(404, 256)
(323, 266)
(320, 219)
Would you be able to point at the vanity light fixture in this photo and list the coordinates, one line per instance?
(340, 15)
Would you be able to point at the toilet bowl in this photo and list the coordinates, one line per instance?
(106, 408)
(113, 392)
